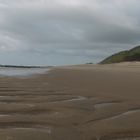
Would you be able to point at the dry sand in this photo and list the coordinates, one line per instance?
(85, 102)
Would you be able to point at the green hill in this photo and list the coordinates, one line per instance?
(124, 56)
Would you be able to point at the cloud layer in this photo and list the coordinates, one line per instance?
(56, 32)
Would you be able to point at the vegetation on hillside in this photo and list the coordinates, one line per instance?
(124, 56)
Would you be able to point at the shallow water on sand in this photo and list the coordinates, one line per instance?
(22, 71)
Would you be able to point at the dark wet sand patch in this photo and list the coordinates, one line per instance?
(28, 112)
(130, 135)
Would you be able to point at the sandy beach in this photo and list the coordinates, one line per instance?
(83, 102)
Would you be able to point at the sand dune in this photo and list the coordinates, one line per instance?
(83, 102)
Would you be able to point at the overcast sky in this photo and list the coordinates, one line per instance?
(58, 32)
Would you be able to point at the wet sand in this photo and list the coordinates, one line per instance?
(85, 102)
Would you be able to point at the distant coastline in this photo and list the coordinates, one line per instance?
(18, 66)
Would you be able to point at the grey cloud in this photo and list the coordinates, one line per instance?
(82, 28)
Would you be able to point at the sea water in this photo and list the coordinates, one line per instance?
(22, 71)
